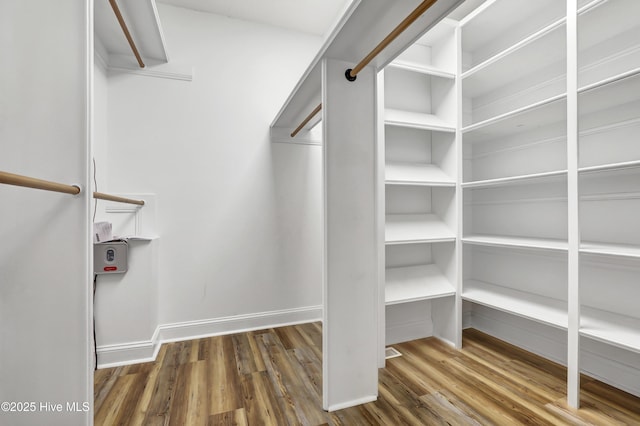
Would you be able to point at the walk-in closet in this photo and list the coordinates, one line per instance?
(322, 212)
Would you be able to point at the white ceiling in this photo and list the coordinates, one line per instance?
(309, 16)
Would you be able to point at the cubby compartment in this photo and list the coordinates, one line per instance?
(609, 211)
(530, 213)
(419, 272)
(522, 145)
(606, 51)
(419, 100)
(419, 157)
(434, 53)
(525, 282)
(610, 292)
(416, 214)
(609, 124)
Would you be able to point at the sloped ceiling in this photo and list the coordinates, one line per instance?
(309, 16)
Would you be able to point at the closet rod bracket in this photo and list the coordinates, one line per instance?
(348, 75)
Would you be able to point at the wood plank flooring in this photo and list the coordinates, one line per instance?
(273, 377)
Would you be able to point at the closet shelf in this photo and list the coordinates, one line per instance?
(537, 114)
(413, 283)
(622, 250)
(485, 29)
(614, 92)
(416, 120)
(523, 242)
(416, 174)
(609, 327)
(610, 167)
(522, 52)
(422, 69)
(514, 180)
(523, 304)
(416, 228)
(610, 80)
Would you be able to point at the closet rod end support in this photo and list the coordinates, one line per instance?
(348, 75)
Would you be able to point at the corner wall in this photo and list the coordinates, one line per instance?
(238, 218)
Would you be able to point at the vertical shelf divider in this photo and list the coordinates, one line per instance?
(459, 192)
(573, 264)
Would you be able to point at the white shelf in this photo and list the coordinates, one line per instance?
(608, 327)
(532, 243)
(422, 69)
(413, 283)
(527, 305)
(416, 120)
(614, 92)
(538, 114)
(623, 250)
(610, 167)
(416, 174)
(514, 180)
(539, 50)
(416, 228)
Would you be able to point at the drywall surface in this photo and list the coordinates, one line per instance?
(239, 218)
(44, 263)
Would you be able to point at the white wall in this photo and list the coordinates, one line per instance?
(44, 263)
(238, 217)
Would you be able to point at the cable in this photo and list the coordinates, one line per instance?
(95, 342)
(95, 188)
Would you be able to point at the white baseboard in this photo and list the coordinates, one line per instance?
(145, 351)
(129, 353)
(238, 323)
(614, 366)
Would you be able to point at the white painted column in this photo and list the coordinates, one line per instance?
(459, 320)
(380, 218)
(573, 339)
(350, 319)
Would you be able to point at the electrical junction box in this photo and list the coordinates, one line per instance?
(110, 257)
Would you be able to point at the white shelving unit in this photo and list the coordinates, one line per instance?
(420, 122)
(520, 255)
(609, 173)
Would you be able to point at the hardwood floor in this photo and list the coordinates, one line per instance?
(273, 377)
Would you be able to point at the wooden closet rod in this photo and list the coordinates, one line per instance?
(306, 120)
(102, 196)
(29, 182)
(127, 34)
(352, 73)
